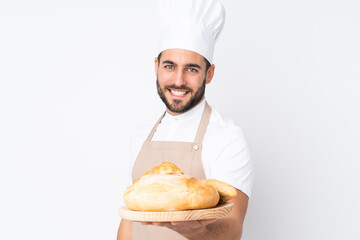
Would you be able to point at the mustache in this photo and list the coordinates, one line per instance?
(182, 87)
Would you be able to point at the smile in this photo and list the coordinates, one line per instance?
(178, 93)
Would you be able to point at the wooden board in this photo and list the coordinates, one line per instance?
(221, 210)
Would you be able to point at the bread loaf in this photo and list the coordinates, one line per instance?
(166, 188)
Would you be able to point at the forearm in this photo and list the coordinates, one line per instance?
(125, 230)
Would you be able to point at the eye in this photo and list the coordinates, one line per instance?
(169, 66)
(192, 70)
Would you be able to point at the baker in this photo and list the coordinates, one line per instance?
(191, 134)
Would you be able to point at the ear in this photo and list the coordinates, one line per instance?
(210, 73)
(156, 66)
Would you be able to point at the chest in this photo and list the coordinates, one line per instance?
(177, 130)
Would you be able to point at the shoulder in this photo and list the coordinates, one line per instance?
(138, 137)
(221, 128)
(142, 131)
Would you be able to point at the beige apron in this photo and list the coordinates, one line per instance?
(185, 155)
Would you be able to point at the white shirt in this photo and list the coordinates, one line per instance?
(225, 153)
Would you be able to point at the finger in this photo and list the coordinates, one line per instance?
(161, 224)
(206, 221)
(146, 223)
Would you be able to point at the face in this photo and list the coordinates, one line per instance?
(181, 79)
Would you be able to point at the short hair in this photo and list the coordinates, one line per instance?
(208, 65)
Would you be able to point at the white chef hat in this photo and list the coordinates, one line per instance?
(190, 24)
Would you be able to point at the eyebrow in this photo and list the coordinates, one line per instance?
(192, 65)
(168, 62)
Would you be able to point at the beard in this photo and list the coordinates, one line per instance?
(177, 105)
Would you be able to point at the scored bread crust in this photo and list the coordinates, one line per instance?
(163, 168)
(166, 188)
(170, 192)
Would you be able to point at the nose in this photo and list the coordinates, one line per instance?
(179, 78)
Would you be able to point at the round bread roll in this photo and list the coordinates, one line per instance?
(165, 188)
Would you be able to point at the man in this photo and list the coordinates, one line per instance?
(190, 134)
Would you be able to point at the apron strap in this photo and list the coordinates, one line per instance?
(203, 124)
(201, 129)
(153, 130)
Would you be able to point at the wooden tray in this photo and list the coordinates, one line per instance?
(221, 210)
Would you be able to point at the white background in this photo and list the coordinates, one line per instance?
(76, 78)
